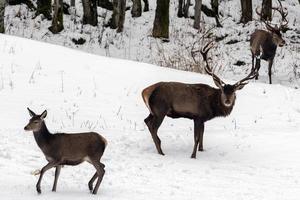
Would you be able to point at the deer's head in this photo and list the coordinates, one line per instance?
(36, 121)
(227, 90)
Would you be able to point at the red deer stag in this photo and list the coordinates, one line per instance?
(67, 149)
(198, 102)
(264, 43)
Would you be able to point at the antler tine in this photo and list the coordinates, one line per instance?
(268, 25)
(250, 76)
(207, 68)
(283, 14)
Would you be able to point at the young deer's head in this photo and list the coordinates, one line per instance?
(227, 90)
(36, 121)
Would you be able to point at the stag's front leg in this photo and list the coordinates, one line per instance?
(200, 148)
(197, 130)
(270, 71)
(44, 169)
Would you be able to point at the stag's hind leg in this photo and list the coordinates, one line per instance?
(257, 66)
(153, 123)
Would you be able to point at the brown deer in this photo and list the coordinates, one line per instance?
(67, 149)
(264, 43)
(198, 102)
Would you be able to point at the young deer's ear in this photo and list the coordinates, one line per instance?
(31, 113)
(44, 115)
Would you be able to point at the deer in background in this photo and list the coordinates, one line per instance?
(67, 149)
(264, 43)
(198, 102)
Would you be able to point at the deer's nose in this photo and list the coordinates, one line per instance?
(25, 128)
(282, 43)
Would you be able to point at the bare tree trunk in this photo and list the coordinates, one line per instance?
(146, 6)
(266, 10)
(90, 15)
(44, 7)
(186, 8)
(161, 21)
(57, 21)
(136, 10)
(180, 9)
(105, 4)
(72, 3)
(246, 11)
(215, 9)
(118, 16)
(198, 5)
(2, 10)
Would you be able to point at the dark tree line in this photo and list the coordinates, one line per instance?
(90, 15)
(118, 8)
(266, 10)
(2, 9)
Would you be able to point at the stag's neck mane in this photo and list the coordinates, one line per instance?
(43, 136)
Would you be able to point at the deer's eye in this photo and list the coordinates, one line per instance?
(36, 122)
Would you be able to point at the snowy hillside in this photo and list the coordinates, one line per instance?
(252, 154)
(136, 43)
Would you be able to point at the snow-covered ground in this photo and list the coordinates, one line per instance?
(252, 154)
(136, 43)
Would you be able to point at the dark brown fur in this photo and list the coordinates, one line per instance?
(198, 102)
(264, 43)
(67, 149)
(263, 46)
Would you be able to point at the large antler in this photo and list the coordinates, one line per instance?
(244, 82)
(267, 23)
(207, 68)
(282, 11)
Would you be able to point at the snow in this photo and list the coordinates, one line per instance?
(136, 43)
(251, 154)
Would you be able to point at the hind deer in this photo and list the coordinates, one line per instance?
(264, 43)
(67, 149)
(198, 102)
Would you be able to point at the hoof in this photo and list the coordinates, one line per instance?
(94, 192)
(38, 190)
(161, 153)
(200, 149)
(91, 187)
(193, 156)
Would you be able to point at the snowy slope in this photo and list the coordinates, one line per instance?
(136, 43)
(252, 154)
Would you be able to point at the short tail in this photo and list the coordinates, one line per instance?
(146, 94)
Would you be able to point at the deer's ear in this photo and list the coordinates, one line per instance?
(241, 86)
(218, 84)
(44, 115)
(31, 113)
